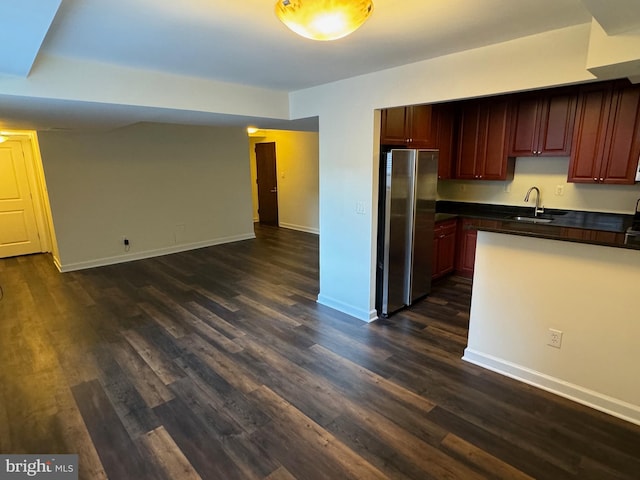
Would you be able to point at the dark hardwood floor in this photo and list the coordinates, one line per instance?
(219, 364)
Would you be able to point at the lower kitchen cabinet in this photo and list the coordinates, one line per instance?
(466, 243)
(444, 248)
(465, 248)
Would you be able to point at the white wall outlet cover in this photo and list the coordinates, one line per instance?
(554, 338)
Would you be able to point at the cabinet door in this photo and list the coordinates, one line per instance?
(622, 141)
(466, 251)
(557, 117)
(444, 248)
(447, 250)
(606, 140)
(494, 155)
(525, 127)
(542, 123)
(483, 140)
(393, 127)
(422, 128)
(468, 134)
(588, 137)
(444, 115)
(435, 261)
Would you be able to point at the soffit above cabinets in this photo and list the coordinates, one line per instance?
(621, 17)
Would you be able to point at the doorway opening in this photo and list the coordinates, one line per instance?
(296, 161)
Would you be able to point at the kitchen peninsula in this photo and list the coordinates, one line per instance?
(525, 286)
(574, 275)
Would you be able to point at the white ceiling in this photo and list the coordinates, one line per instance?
(242, 42)
(23, 30)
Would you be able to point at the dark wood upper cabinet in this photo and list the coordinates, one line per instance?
(597, 125)
(422, 126)
(606, 138)
(392, 128)
(412, 126)
(483, 136)
(542, 123)
(445, 115)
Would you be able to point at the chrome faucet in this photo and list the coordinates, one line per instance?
(537, 209)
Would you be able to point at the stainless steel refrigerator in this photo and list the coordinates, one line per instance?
(406, 217)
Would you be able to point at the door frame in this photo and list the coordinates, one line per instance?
(35, 175)
(275, 172)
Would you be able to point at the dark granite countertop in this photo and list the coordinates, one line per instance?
(569, 225)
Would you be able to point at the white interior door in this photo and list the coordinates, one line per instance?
(18, 227)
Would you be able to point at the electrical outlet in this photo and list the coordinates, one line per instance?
(559, 190)
(554, 338)
(507, 187)
(361, 208)
(179, 233)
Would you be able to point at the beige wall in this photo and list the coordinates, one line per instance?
(166, 187)
(547, 174)
(297, 167)
(524, 286)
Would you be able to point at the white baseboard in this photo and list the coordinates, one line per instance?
(301, 228)
(101, 262)
(364, 315)
(56, 262)
(604, 403)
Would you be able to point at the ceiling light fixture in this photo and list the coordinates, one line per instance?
(323, 19)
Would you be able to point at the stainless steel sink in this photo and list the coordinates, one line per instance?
(532, 219)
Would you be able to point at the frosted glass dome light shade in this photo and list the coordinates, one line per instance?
(323, 19)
